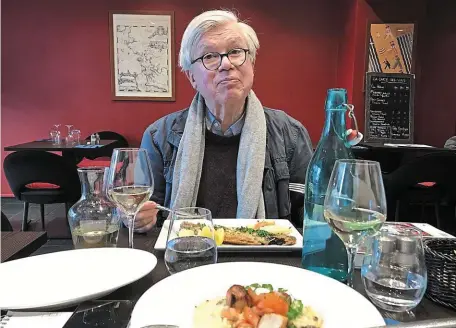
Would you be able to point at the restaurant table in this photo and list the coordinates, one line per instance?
(391, 157)
(18, 244)
(425, 310)
(72, 152)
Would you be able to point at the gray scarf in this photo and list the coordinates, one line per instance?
(250, 162)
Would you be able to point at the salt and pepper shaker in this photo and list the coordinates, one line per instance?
(405, 255)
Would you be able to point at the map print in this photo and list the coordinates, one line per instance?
(142, 56)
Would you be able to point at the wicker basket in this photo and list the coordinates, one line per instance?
(441, 267)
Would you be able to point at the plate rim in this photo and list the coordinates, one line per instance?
(160, 246)
(380, 318)
(98, 293)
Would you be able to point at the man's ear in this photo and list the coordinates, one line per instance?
(190, 77)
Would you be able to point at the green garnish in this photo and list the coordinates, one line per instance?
(290, 325)
(295, 309)
(262, 233)
(282, 290)
(254, 287)
(268, 287)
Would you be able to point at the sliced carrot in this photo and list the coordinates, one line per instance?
(243, 324)
(253, 296)
(274, 302)
(257, 311)
(230, 314)
(251, 317)
(260, 224)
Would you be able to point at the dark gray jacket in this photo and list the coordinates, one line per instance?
(288, 152)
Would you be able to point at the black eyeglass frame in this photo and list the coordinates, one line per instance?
(226, 54)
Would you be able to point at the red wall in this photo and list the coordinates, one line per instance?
(55, 62)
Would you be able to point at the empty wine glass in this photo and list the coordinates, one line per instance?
(394, 269)
(130, 182)
(190, 241)
(355, 204)
(69, 127)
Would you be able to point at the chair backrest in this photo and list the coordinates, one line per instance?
(6, 225)
(121, 142)
(111, 135)
(28, 166)
(435, 167)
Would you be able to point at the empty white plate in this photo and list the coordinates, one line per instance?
(172, 301)
(69, 277)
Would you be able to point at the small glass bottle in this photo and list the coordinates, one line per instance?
(323, 251)
(94, 220)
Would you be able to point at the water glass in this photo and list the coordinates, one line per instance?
(190, 241)
(76, 136)
(55, 137)
(394, 270)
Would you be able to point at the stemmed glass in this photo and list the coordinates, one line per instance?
(190, 241)
(355, 204)
(130, 182)
(69, 126)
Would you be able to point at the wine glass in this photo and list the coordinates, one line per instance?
(394, 270)
(69, 127)
(191, 239)
(355, 204)
(130, 182)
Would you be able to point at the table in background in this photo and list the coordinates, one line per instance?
(70, 152)
(425, 310)
(18, 244)
(391, 157)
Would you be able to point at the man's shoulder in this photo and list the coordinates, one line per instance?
(277, 118)
(168, 121)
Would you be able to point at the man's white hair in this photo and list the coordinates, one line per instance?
(207, 21)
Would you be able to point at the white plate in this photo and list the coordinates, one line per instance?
(160, 244)
(69, 277)
(173, 299)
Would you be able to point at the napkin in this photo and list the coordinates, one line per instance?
(88, 146)
(15, 319)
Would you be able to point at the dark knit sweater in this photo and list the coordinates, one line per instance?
(217, 190)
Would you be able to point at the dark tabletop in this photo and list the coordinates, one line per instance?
(49, 146)
(18, 244)
(425, 310)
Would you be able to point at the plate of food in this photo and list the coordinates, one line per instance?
(253, 295)
(239, 234)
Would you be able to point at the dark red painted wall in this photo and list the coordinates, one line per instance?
(55, 63)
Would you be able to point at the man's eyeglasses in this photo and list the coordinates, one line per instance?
(212, 60)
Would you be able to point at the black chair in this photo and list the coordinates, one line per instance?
(6, 225)
(25, 167)
(403, 184)
(121, 142)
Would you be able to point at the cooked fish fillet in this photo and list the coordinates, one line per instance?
(247, 236)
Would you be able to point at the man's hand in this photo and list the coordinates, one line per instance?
(146, 217)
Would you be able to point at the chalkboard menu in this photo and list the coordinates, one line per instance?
(389, 108)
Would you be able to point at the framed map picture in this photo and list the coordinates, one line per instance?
(142, 55)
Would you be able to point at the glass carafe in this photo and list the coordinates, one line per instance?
(94, 219)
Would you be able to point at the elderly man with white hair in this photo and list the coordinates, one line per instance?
(226, 152)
